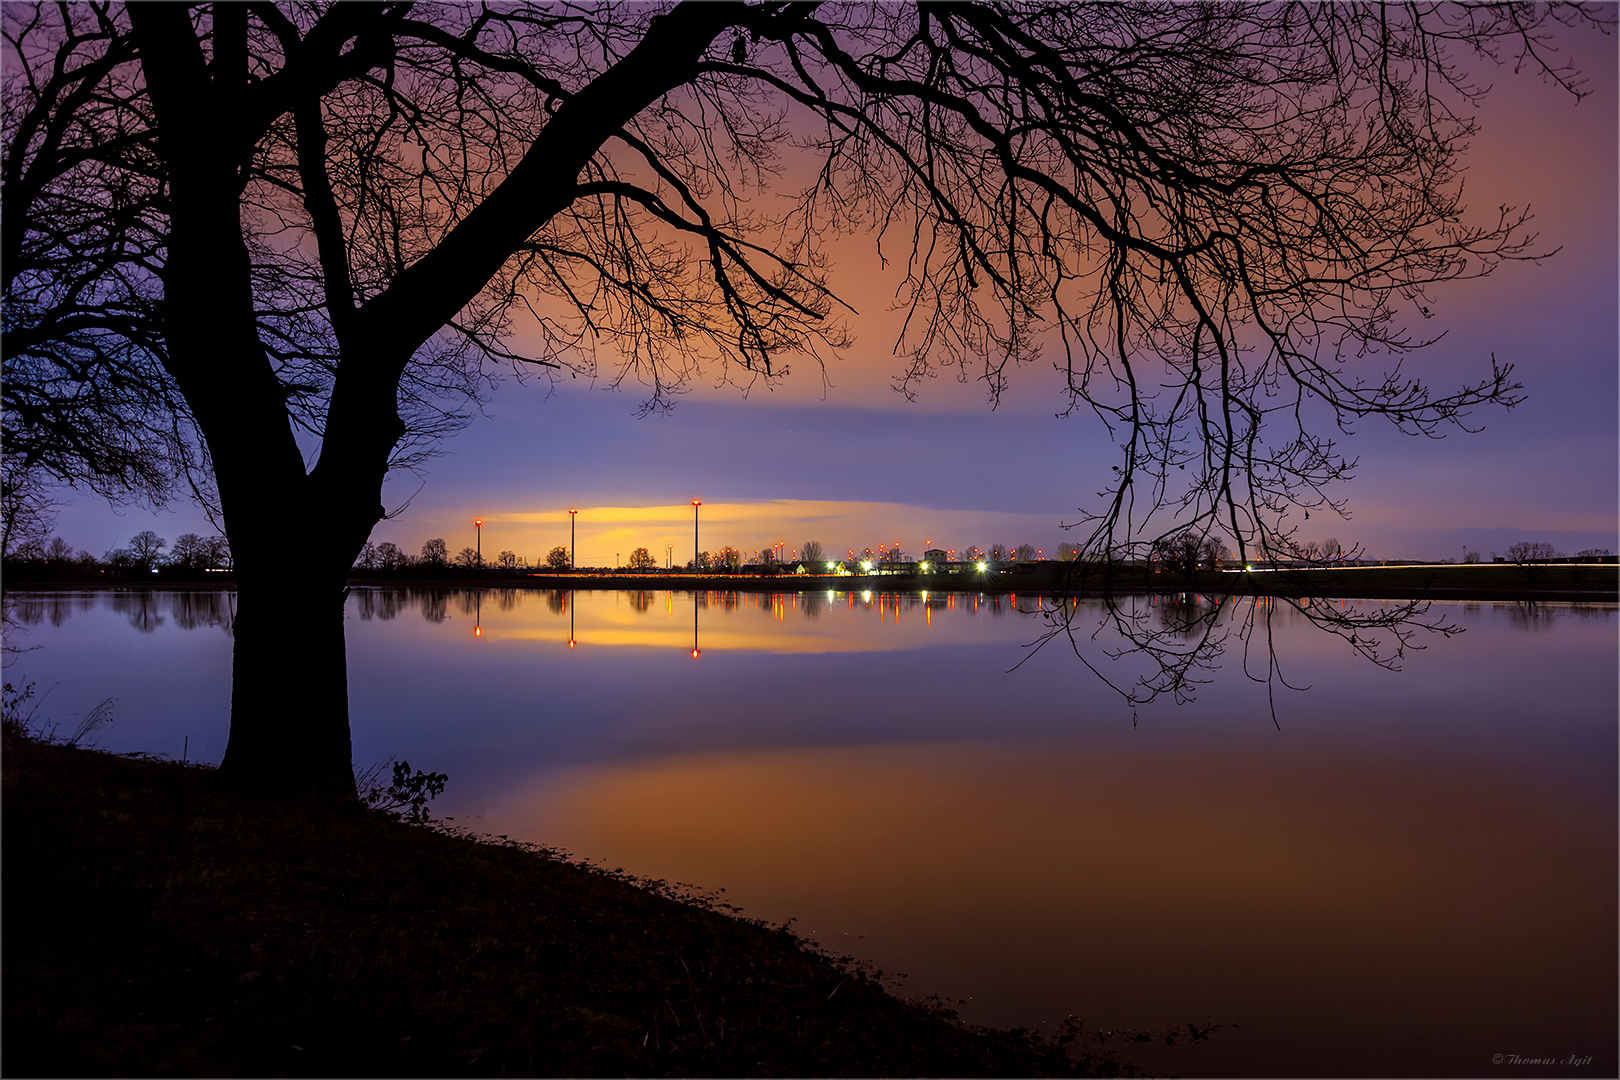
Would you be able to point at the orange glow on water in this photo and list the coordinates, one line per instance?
(1045, 874)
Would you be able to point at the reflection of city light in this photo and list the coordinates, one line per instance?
(570, 643)
(478, 631)
(695, 654)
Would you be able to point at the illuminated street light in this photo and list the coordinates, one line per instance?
(695, 549)
(478, 523)
(571, 513)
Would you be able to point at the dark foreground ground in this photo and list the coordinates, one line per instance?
(157, 924)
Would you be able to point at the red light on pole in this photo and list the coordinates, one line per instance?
(571, 513)
(478, 523)
(695, 549)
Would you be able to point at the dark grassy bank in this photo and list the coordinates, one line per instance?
(157, 924)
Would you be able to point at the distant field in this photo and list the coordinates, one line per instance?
(1589, 582)
(1480, 581)
(1567, 582)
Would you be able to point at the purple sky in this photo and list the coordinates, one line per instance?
(853, 464)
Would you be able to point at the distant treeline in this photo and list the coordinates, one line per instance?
(192, 558)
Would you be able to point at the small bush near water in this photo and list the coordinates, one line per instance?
(157, 923)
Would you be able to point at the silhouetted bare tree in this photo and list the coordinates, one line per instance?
(435, 553)
(27, 509)
(1528, 551)
(240, 238)
(146, 548)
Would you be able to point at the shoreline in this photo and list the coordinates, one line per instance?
(162, 923)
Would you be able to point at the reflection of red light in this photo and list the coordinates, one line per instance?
(478, 631)
(570, 643)
(694, 654)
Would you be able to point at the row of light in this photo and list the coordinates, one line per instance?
(866, 564)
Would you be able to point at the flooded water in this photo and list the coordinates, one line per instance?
(1401, 874)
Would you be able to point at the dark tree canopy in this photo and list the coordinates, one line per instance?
(268, 252)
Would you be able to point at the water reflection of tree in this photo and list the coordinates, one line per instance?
(1179, 640)
(812, 604)
(195, 610)
(1529, 615)
(1182, 614)
(435, 604)
(557, 601)
(641, 601)
(140, 608)
(25, 610)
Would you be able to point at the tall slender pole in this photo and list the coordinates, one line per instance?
(695, 549)
(571, 513)
(479, 525)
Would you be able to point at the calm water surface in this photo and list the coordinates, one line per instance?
(1408, 874)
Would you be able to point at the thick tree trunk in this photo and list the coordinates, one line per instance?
(289, 698)
(289, 702)
(289, 687)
